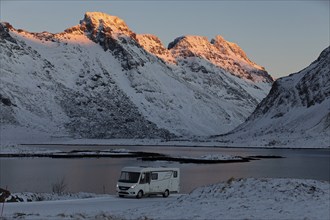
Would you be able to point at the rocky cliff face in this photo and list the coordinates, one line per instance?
(296, 111)
(100, 80)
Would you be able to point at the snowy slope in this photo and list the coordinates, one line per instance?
(295, 113)
(64, 85)
(100, 80)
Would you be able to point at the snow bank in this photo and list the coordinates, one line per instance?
(38, 197)
(249, 199)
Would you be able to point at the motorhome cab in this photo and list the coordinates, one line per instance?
(140, 181)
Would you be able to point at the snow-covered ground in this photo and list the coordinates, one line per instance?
(19, 149)
(37, 197)
(26, 150)
(234, 199)
(13, 135)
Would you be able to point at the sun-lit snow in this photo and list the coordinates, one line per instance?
(152, 44)
(221, 53)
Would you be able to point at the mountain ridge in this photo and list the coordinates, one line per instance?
(99, 79)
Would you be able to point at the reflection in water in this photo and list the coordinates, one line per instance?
(100, 175)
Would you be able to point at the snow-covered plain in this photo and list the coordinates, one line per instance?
(28, 150)
(234, 199)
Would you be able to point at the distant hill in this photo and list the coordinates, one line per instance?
(296, 112)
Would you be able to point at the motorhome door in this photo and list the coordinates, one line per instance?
(145, 182)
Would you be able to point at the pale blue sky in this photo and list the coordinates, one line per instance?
(282, 36)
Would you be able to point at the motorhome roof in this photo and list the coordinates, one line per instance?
(145, 169)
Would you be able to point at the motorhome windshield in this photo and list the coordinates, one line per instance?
(129, 177)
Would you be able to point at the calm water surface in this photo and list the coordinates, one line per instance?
(100, 175)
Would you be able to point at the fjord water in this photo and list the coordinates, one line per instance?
(99, 175)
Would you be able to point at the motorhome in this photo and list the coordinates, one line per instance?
(142, 181)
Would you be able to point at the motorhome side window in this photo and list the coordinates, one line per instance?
(154, 176)
(175, 174)
(145, 178)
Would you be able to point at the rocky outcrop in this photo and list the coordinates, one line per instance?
(4, 35)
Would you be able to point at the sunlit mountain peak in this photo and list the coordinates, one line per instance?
(153, 45)
(98, 21)
(229, 48)
(221, 53)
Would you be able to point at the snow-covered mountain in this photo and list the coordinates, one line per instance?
(99, 79)
(295, 113)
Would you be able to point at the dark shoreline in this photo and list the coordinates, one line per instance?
(140, 155)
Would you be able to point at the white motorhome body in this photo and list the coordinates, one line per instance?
(140, 181)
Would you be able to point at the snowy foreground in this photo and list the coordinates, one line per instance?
(235, 199)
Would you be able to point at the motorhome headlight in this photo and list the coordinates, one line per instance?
(132, 187)
(117, 186)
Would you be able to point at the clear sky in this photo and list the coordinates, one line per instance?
(283, 36)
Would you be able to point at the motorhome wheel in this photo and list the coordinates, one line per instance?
(140, 194)
(166, 193)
